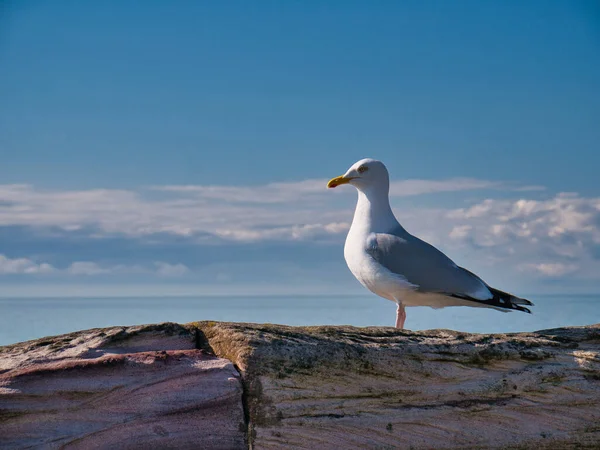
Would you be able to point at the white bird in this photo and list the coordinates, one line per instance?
(400, 267)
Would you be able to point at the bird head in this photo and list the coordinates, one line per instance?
(365, 175)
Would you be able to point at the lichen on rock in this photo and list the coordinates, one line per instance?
(347, 387)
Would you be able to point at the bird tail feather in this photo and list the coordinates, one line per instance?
(510, 301)
(500, 300)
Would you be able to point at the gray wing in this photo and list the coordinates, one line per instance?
(425, 266)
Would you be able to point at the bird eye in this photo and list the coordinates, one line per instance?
(362, 169)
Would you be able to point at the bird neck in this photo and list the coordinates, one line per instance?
(373, 213)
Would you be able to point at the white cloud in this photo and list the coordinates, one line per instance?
(406, 188)
(565, 215)
(550, 269)
(460, 231)
(131, 213)
(86, 268)
(283, 211)
(266, 194)
(23, 266)
(555, 237)
(285, 192)
(171, 270)
(10, 266)
(294, 232)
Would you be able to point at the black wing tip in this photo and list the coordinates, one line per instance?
(500, 302)
(505, 305)
(509, 301)
(522, 308)
(523, 301)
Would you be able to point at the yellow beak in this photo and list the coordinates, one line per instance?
(338, 180)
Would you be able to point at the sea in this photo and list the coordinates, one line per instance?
(23, 319)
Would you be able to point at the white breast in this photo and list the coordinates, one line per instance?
(373, 215)
(370, 273)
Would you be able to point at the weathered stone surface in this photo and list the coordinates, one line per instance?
(346, 387)
(173, 386)
(122, 387)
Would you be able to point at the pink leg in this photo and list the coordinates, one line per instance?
(400, 316)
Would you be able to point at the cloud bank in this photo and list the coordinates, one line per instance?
(298, 210)
(25, 266)
(527, 232)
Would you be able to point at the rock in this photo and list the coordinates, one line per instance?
(227, 385)
(122, 387)
(346, 387)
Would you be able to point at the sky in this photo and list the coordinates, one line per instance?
(160, 148)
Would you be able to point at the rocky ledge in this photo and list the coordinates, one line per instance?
(232, 385)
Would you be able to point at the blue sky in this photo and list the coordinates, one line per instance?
(183, 146)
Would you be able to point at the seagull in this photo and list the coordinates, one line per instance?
(394, 264)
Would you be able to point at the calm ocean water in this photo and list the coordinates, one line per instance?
(29, 318)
